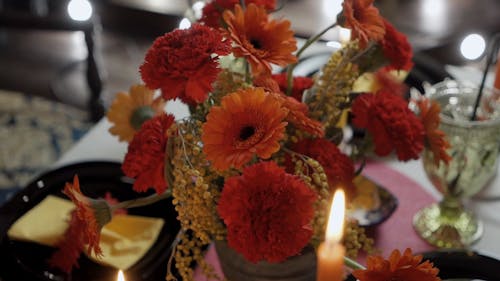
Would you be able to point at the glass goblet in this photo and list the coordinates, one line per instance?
(474, 162)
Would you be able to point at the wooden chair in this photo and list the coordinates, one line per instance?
(49, 15)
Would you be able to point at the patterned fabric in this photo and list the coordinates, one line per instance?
(34, 132)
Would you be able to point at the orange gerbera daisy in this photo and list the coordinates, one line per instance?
(399, 267)
(363, 19)
(130, 110)
(434, 138)
(248, 122)
(84, 228)
(259, 39)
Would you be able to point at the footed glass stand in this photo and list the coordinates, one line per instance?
(448, 225)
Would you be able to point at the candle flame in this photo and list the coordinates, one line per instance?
(335, 225)
(120, 276)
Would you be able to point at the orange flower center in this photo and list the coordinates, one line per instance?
(140, 115)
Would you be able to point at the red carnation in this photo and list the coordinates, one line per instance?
(145, 159)
(391, 123)
(338, 167)
(268, 213)
(300, 84)
(182, 63)
(212, 12)
(396, 48)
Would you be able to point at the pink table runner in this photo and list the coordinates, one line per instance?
(396, 232)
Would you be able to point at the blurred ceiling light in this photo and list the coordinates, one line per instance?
(434, 15)
(79, 10)
(185, 24)
(472, 46)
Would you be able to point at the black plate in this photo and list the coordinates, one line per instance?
(376, 216)
(27, 261)
(462, 265)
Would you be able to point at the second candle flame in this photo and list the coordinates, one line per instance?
(120, 276)
(335, 225)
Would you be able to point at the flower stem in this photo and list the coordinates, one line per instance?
(308, 43)
(143, 201)
(248, 78)
(352, 264)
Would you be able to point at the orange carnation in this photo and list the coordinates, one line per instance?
(259, 39)
(398, 267)
(248, 122)
(363, 19)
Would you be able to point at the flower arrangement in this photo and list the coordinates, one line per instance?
(258, 159)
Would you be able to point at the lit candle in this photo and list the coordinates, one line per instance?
(120, 276)
(331, 252)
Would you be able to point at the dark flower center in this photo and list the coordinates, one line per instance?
(246, 132)
(256, 43)
(141, 115)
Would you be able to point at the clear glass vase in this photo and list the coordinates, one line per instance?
(474, 151)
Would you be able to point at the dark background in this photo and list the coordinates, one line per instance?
(51, 61)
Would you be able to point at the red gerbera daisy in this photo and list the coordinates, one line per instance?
(248, 122)
(435, 138)
(391, 123)
(183, 63)
(84, 228)
(145, 158)
(363, 19)
(338, 167)
(212, 12)
(398, 267)
(396, 48)
(300, 84)
(267, 212)
(259, 39)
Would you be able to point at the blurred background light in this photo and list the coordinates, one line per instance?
(185, 23)
(472, 46)
(334, 44)
(79, 10)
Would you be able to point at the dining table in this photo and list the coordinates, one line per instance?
(406, 180)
